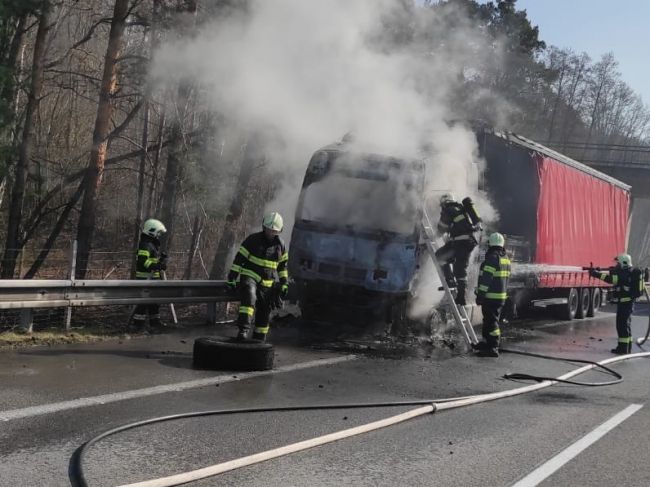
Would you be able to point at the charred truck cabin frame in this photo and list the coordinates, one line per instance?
(354, 244)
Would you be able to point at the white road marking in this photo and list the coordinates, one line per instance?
(151, 391)
(555, 463)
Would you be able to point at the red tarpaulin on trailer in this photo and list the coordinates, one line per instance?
(580, 218)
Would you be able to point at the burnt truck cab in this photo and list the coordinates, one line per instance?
(354, 244)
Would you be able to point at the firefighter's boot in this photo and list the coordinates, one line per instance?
(449, 276)
(244, 321)
(138, 322)
(242, 334)
(157, 324)
(622, 349)
(488, 352)
(259, 336)
(260, 332)
(460, 293)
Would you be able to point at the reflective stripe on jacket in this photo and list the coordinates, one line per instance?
(493, 276)
(148, 258)
(261, 260)
(621, 280)
(455, 221)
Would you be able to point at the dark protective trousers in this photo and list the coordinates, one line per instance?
(491, 331)
(143, 310)
(254, 307)
(456, 252)
(624, 325)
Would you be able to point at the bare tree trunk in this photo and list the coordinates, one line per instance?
(12, 246)
(577, 79)
(252, 156)
(11, 92)
(593, 118)
(156, 166)
(141, 177)
(556, 105)
(9, 89)
(173, 174)
(175, 155)
(197, 228)
(604, 78)
(92, 179)
(142, 173)
(54, 234)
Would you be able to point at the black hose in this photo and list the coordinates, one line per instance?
(539, 378)
(75, 468)
(641, 341)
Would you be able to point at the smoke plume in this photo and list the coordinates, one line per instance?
(309, 72)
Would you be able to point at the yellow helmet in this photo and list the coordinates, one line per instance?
(625, 260)
(153, 228)
(273, 221)
(447, 198)
(496, 240)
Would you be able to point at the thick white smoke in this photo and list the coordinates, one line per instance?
(311, 71)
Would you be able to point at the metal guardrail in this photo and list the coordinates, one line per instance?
(42, 293)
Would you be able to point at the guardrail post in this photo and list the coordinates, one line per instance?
(27, 319)
(73, 270)
(212, 313)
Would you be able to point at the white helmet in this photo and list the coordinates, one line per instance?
(273, 221)
(625, 260)
(153, 228)
(496, 240)
(447, 197)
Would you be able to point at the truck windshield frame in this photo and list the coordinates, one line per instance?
(362, 194)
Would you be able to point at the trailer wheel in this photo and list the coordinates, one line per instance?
(584, 301)
(568, 311)
(595, 302)
(224, 353)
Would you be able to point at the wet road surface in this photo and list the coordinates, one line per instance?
(496, 443)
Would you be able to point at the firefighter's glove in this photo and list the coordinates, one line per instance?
(158, 266)
(163, 257)
(284, 291)
(594, 273)
(232, 285)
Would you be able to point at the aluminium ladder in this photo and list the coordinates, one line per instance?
(459, 312)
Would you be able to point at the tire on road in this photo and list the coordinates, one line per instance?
(584, 301)
(568, 311)
(224, 353)
(596, 301)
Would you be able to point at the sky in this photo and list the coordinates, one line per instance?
(597, 27)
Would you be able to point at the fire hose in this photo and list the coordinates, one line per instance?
(426, 406)
(641, 341)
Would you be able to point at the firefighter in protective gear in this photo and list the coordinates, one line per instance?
(491, 294)
(150, 263)
(461, 222)
(624, 294)
(261, 258)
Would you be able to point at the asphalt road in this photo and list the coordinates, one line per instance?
(53, 399)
